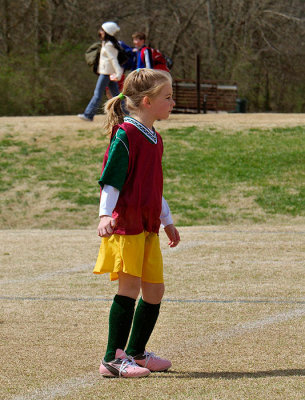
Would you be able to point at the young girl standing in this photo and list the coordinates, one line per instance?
(131, 210)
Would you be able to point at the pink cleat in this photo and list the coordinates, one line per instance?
(152, 362)
(122, 367)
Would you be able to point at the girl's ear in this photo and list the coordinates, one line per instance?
(146, 101)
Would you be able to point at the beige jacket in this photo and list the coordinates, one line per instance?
(108, 63)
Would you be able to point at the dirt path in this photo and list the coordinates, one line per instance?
(70, 123)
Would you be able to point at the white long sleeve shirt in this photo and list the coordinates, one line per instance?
(110, 197)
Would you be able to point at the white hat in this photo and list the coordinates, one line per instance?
(111, 28)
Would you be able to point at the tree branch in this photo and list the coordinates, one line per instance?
(289, 17)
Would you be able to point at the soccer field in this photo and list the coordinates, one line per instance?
(232, 320)
(233, 317)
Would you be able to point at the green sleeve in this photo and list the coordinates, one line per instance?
(115, 170)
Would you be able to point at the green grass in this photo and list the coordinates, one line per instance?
(202, 168)
(65, 168)
(210, 176)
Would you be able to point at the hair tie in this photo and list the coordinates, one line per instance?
(139, 69)
(121, 96)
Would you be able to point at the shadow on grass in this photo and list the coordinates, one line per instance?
(234, 375)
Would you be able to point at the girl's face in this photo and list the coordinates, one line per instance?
(162, 105)
(101, 34)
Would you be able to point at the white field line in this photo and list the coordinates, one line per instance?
(89, 267)
(166, 252)
(88, 380)
(248, 232)
(48, 275)
(243, 328)
(184, 246)
(95, 299)
(63, 389)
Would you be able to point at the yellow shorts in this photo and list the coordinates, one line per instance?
(137, 255)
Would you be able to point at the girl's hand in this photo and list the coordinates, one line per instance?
(113, 77)
(173, 235)
(106, 225)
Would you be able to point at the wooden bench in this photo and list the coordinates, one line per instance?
(212, 96)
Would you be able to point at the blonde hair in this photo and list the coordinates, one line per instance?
(138, 84)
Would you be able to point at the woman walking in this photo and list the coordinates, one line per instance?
(109, 69)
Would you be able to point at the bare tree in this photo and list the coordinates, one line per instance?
(258, 44)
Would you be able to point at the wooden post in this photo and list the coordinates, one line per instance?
(198, 82)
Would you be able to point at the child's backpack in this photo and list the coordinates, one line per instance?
(160, 61)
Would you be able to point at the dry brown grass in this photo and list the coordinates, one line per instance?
(236, 330)
(233, 318)
(69, 124)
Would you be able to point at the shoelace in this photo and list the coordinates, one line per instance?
(129, 361)
(148, 356)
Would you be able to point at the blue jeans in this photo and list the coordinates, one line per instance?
(101, 84)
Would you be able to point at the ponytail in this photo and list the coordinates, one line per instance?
(114, 113)
(138, 84)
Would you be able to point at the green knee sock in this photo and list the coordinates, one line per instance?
(144, 322)
(120, 320)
